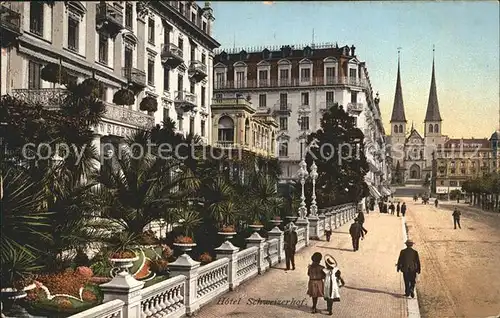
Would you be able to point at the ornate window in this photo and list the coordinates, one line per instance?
(226, 129)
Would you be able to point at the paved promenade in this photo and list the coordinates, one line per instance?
(373, 288)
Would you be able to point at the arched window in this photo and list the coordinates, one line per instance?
(283, 149)
(431, 128)
(396, 129)
(401, 129)
(226, 129)
(436, 128)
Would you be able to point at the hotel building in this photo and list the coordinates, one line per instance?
(161, 49)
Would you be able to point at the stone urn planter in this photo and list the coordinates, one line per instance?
(184, 243)
(228, 232)
(256, 227)
(122, 261)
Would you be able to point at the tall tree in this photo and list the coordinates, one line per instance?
(340, 158)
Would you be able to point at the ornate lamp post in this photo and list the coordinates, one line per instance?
(314, 176)
(302, 175)
(303, 222)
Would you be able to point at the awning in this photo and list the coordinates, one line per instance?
(374, 192)
(386, 191)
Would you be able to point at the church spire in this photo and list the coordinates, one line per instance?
(398, 109)
(432, 113)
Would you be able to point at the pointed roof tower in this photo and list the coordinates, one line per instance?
(432, 113)
(398, 109)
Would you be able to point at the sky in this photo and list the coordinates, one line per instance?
(465, 36)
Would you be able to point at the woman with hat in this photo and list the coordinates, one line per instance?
(316, 275)
(333, 282)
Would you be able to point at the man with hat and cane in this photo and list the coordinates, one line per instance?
(333, 282)
(409, 265)
(356, 231)
(290, 242)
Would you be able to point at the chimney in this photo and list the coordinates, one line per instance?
(353, 48)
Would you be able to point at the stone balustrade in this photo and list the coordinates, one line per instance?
(193, 286)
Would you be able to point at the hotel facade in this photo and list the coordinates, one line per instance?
(296, 84)
(160, 49)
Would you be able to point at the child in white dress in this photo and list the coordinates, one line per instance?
(333, 282)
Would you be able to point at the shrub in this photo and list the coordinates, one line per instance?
(205, 258)
(228, 229)
(184, 240)
(89, 296)
(81, 259)
(148, 238)
(159, 266)
(54, 73)
(123, 254)
(68, 282)
(84, 271)
(167, 252)
(149, 104)
(124, 97)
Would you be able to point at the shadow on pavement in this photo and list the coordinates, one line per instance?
(374, 291)
(298, 308)
(340, 232)
(336, 248)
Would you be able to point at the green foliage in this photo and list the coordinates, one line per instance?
(342, 165)
(124, 97)
(149, 104)
(55, 73)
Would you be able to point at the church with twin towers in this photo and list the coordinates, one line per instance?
(411, 151)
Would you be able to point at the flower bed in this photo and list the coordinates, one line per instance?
(184, 240)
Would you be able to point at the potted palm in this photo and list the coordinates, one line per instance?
(227, 231)
(149, 104)
(124, 96)
(184, 243)
(123, 255)
(90, 87)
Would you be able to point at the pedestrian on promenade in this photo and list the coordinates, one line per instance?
(356, 231)
(398, 208)
(392, 208)
(290, 242)
(315, 287)
(361, 220)
(456, 218)
(403, 209)
(436, 202)
(380, 206)
(409, 265)
(328, 233)
(333, 282)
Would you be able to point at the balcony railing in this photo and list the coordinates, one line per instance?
(52, 98)
(128, 116)
(230, 101)
(294, 82)
(106, 12)
(226, 144)
(355, 107)
(171, 51)
(135, 76)
(198, 66)
(10, 21)
(185, 97)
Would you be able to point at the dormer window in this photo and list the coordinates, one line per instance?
(265, 54)
(286, 51)
(307, 51)
(243, 55)
(223, 56)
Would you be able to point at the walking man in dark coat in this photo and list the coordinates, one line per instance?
(356, 231)
(409, 265)
(398, 208)
(392, 208)
(290, 242)
(456, 218)
(361, 220)
(403, 209)
(436, 202)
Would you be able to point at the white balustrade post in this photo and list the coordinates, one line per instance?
(127, 289)
(256, 240)
(302, 221)
(328, 221)
(185, 265)
(322, 224)
(276, 233)
(227, 249)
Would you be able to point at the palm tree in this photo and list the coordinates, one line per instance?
(261, 198)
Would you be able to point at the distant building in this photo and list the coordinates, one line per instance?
(411, 152)
(462, 159)
(296, 84)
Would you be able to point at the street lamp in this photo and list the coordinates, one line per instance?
(314, 176)
(302, 173)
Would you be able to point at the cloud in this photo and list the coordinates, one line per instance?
(268, 3)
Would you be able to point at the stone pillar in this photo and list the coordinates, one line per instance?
(256, 240)
(276, 233)
(126, 288)
(304, 223)
(322, 220)
(314, 227)
(185, 265)
(227, 249)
